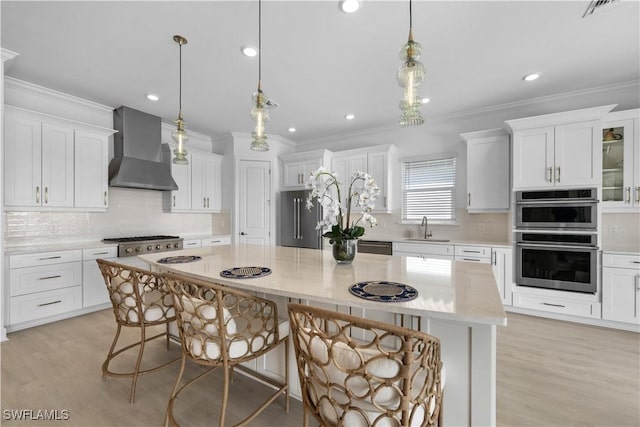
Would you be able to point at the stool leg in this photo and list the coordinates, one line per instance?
(137, 368)
(105, 365)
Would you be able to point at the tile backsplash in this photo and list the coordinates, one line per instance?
(131, 212)
(621, 231)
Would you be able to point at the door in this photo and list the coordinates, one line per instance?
(309, 236)
(533, 158)
(621, 295)
(289, 218)
(57, 165)
(198, 189)
(488, 174)
(254, 204)
(22, 161)
(91, 174)
(377, 167)
(575, 154)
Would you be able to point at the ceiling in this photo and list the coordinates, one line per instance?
(318, 63)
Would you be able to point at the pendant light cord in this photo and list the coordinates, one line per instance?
(259, 43)
(180, 84)
(410, 17)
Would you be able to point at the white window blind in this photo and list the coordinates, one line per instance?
(429, 188)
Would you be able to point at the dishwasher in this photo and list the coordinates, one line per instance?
(375, 247)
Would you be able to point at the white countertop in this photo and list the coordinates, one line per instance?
(53, 247)
(449, 290)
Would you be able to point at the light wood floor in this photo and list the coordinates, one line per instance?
(550, 373)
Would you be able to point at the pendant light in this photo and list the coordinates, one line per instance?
(260, 113)
(410, 75)
(180, 136)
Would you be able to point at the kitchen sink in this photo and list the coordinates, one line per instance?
(428, 240)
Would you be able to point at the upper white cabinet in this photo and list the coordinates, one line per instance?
(558, 150)
(376, 161)
(621, 160)
(54, 163)
(199, 183)
(298, 166)
(488, 177)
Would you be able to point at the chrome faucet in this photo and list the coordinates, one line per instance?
(425, 224)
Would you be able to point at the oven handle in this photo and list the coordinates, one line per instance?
(577, 202)
(556, 246)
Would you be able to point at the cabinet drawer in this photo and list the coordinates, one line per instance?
(44, 258)
(191, 243)
(476, 259)
(43, 304)
(574, 308)
(423, 248)
(44, 278)
(473, 251)
(98, 253)
(216, 241)
(621, 261)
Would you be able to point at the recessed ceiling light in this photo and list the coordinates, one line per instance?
(152, 97)
(349, 116)
(425, 100)
(349, 6)
(531, 77)
(292, 130)
(249, 51)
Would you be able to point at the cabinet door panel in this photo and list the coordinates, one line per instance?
(292, 174)
(533, 158)
(181, 198)
(198, 195)
(378, 168)
(576, 155)
(91, 170)
(23, 160)
(620, 295)
(57, 165)
(488, 174)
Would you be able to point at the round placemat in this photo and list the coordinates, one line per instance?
(179, 259)
(245, 272)
(383, 291)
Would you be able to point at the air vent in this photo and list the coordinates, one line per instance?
(597, 5)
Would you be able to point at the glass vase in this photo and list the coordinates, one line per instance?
(344, 251)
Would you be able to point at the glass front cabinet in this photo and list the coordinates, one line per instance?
(621, 160)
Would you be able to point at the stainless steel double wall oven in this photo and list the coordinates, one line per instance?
(557, 239)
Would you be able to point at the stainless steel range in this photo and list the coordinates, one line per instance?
(130, 246)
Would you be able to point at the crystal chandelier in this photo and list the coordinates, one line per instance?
(260, 112)
(410, 75)
(180, 136)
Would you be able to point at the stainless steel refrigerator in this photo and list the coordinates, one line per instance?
(297, 224)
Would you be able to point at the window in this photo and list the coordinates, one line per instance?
(429, 188)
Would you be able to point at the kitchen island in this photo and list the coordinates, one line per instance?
(457, 302)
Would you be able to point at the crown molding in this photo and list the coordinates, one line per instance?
(34, 89)
(8, 55)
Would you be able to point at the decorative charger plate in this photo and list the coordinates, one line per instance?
(179, 259)
(383, 291)
(245, 272)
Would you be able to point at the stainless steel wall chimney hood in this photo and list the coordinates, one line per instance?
(137, 160)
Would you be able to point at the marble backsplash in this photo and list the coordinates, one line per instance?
(129, 214)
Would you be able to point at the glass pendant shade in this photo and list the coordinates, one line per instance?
(410, 75)
(260, 115)
(180, 136)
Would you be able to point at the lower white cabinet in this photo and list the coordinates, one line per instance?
(621, 288)
(44, 284)
(206, 242)
(557, 305)
(191, 243)
(502, 266)
(94, 290)
(478, 254)
(424, 250)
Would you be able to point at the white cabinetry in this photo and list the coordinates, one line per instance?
(488, 177)
(424, 250)
(94, 290)
(54, 163)
(206, 242)
(621, 161)
(558, 150)
(199, 183)
(502, 266)
(298, 166)
(43, 285)
(621, 288)
(479, 254)
(378, 161)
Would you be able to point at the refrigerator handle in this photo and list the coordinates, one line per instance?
(295, 210)
(299, 218)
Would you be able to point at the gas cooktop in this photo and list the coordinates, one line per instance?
(138, 245)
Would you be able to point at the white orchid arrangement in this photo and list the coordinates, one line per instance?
(325, 187)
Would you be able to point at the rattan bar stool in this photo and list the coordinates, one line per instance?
(221, 327)
(140, 299)
(388, 376)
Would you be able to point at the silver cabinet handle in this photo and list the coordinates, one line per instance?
(46, 194)
(174, 201)
(494, 258)
(37, 194)
(553, 305)
(49, 303)
(550, 174)
(637, 282)
(558, 177)
(471, 252)
(628, 194)
(57, 276)
(471, 259)
(204, 202)
(100, 253)
(469, 202)
(637, 194)
(106, 198)
(49, 257)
